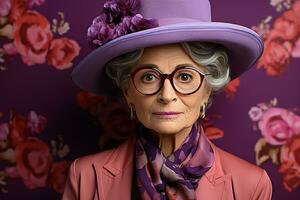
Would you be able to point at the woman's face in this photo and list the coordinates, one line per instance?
(167, 111)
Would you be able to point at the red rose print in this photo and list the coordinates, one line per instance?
(58, 176)
(18, 8)
(277, 54)
(33, 162)
(17, 130)
(296, 8)
(32, 36)
(114, 119)
(213, 132)
(61, 53)
(232, 87)
(89, 101)
(290, 163)
(5, 6)
(288, 26)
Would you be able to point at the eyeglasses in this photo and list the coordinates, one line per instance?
(185, 80)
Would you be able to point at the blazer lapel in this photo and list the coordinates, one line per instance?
(215, 185)
(114, 178)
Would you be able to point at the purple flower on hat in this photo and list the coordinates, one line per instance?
(100, 32)
(134, 24)
(116, 9)
(120, 17)
(139, 23)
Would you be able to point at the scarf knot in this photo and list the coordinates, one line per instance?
(176, 176)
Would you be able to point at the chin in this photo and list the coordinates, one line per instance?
(166, 128)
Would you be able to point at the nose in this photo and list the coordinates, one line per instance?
(167, 93)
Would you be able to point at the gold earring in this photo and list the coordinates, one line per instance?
(131, 111)
(202, 111)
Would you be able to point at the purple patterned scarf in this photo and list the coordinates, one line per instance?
(176, 176)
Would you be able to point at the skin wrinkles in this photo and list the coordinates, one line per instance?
(170, 131)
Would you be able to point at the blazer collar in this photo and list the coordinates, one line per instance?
(219, 183)
(120, 157)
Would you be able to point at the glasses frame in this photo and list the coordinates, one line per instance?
(169, 77)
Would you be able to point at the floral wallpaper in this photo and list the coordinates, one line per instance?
(46, 121)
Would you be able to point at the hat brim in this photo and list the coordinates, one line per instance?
(243, 46)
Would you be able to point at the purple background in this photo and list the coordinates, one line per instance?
(52, 93)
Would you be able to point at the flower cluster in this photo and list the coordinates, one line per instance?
(282, 42)
(280, 129)
(29, 34)
(281, 4)
(30, 158)
(120, 17)
(232, 87)
(111, 115)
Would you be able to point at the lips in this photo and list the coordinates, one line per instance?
(167, 113)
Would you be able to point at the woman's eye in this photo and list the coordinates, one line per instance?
(148, 78)
(184, 77)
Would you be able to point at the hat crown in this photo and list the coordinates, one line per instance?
(187, 10)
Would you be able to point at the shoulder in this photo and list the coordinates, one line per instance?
(118, 158)
(237, 166)
(245, 176)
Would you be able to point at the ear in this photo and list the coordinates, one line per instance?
(127, 96)
(207, 92)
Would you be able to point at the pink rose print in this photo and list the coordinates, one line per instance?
(4, 130)
(277, 54)
(290, 163)
(61, 53)
(296, 49)
(5, 6)
(255, 113)
(10, 49)
(36, 123)
(31, 3)
(32, 36)
(277, 125)
(33, 162)
(12, 172)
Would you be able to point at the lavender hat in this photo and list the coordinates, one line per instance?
(127, 25)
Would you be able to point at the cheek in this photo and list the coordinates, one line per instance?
(192, 110)
(142, 109)
(142, 104)
(193, 104)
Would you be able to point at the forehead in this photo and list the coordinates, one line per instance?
(169, 55)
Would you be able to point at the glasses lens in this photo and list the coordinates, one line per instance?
(147, 81)
(187, 80)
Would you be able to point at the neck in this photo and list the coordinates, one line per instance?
(168, 143)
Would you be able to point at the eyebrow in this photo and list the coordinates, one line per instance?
(157, 67)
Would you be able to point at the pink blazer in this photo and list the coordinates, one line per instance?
(108, 176)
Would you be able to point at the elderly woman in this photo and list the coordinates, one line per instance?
(167, 64)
